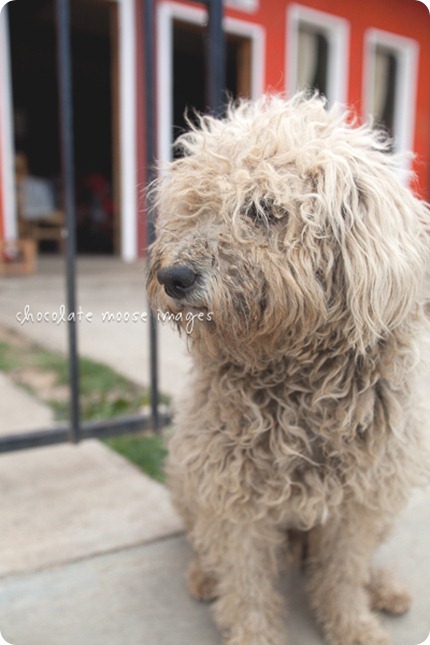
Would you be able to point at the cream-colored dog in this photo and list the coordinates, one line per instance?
(285, 231)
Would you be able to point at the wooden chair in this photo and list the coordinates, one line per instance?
(38, 218)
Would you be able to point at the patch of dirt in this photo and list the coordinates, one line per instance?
(26, 370)
(13, 338)
(43, 383)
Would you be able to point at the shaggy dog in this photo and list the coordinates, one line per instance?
(287, 238)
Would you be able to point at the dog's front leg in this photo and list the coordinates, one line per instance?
(339, 574)
(242, 556)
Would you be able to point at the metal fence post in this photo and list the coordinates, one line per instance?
(64, 70)
(215, 58)
(148, 31)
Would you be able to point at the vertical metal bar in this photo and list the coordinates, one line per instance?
(148, 31)
(64, 71)
(215, 58)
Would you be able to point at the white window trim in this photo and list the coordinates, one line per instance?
(167, 12)
(337, 30)
(248, 6)
(407, 51)
(7, 179)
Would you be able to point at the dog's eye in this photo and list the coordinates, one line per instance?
(265, 212)
(254, 213)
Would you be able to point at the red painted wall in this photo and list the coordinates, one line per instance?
(408, 18)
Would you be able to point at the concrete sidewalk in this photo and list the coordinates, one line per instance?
(19, 411)
(91, 551)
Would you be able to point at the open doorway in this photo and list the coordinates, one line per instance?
(36, 123)
(189, 69)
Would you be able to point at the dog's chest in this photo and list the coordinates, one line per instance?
(296, 460)
(283, 443)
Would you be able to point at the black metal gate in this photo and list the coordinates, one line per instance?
(215, 71)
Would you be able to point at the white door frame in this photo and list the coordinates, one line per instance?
(7, 177)
(167, 12)
(127, 129)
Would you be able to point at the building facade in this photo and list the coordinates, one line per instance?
(373, 57)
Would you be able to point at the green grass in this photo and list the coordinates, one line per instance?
(8, 358)
(104, 394)
(147, 452)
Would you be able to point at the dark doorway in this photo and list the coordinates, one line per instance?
(35, 107)
(189, 70)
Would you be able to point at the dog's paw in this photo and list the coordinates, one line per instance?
(270, 637)
(386, 594)
(380, 638)
(395, 602)
(364, 632)
(201, 586)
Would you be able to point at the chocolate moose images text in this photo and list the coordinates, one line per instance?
(28, 316)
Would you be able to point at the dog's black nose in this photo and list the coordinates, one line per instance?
(177, 280)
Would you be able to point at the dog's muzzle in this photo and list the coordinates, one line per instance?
(177, 280)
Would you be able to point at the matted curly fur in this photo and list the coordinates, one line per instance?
(286, 228)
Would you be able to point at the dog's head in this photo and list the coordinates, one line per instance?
(284, 225)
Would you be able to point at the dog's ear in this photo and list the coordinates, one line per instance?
(378, 228)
